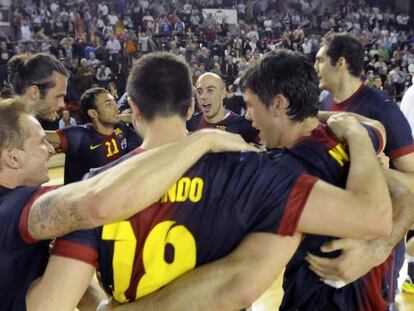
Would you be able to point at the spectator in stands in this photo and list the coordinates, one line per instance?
(66, 120)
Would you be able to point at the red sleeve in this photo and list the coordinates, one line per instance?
(70, 249)
(63, 140)
(296, 203)
(381, 145)
(24, 217)
(401, 152)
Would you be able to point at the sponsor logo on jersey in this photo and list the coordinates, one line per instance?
(124, 144)
(93, 147)
(118, 132)
(339, 154)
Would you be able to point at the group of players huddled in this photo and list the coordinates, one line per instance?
(175, 221)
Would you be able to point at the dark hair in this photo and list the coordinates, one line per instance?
(25, 71)
(290, 74)
(160, 85)
(11, 133)
(347, 46)
(88, 101)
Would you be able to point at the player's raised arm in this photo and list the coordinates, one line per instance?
(363, 209)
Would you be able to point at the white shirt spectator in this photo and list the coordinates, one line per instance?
(103, 9)
(103, 74)
(113, 46)
(144, 4)
(187, 8)
(307, 47)
(112, 19)
(26, 33)
(267, 24)
(241, 8)
(402, 19)
(100, 23)
(54, 7)
(411, 69)
(407, 105)
(195, 19)
(62, 124)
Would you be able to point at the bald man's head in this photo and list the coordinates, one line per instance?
(211, 92)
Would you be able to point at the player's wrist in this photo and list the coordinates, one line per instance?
(356, 134)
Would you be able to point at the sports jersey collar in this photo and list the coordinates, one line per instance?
(227, 115)
(321, 133)
(342, 106)
(90, 125)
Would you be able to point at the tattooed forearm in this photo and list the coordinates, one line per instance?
(54, 216)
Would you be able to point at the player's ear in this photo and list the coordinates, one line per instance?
(279, 105)
(33, 92)
(12, 158)
(136, 113)
(341, 63)
(92, 113)
(190, 110)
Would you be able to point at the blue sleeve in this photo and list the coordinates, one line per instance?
(14, 213)
(375, 137)
(283, 203)
(80, 245)
(399, 137)
(71, 138)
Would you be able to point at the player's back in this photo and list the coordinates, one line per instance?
(203, 217)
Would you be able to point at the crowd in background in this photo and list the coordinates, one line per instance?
(98, 40)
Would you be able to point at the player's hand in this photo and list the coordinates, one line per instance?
(221, 141)
(352, 264)
(343, 125)
(383, 160)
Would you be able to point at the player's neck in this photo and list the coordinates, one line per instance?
(9, 179)
(299, 129)
(217, 118)
(103, 129)
(162, 131)
(346, 89)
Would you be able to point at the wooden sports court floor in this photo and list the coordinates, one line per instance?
(271, 299)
